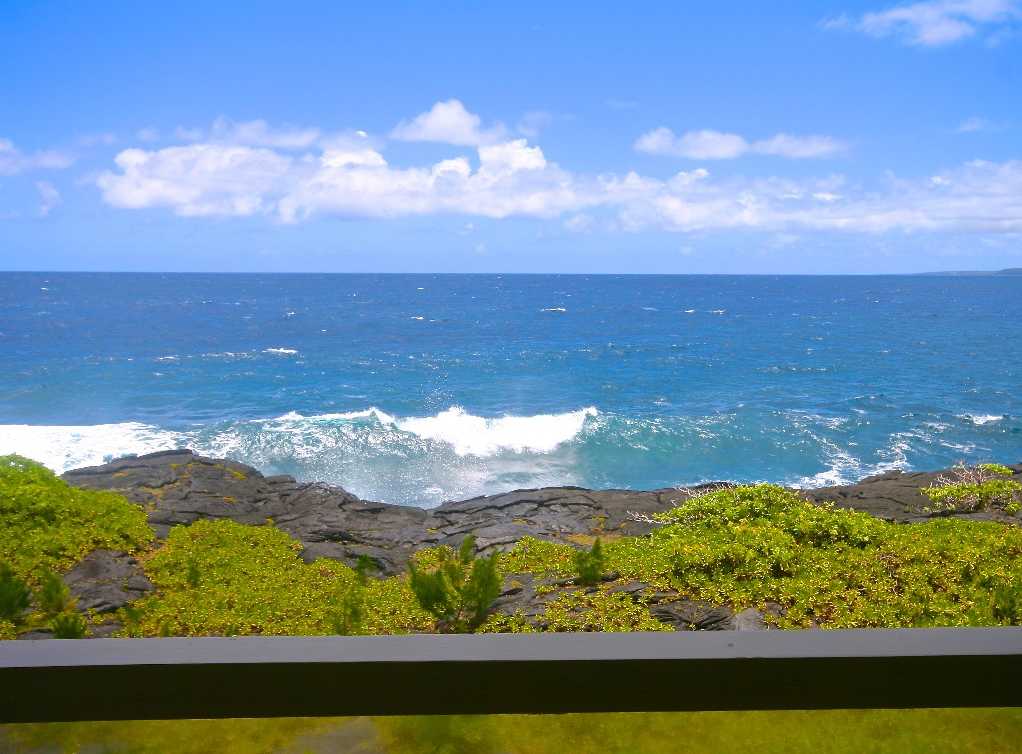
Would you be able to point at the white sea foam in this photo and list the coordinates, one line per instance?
(477, 435)
(980, 419)
(554, 309)
(466, 433)
(845, 468)
(70, 447)
(281, 351)
(690, 311)
(370, 413)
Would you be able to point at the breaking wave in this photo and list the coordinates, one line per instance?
(454, 454)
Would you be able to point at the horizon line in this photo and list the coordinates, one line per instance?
(923, 273)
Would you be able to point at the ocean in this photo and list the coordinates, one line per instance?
(417, 389)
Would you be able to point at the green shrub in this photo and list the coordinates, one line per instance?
(460, 591)
(68, 626)
(15, 596)
(253, 581)
(53, 596)
(975, 488)
(589, 565)
(540, 557)
(47, 525)
(997, 469)
(824, 566)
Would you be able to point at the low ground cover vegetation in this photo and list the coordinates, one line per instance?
(758, 546)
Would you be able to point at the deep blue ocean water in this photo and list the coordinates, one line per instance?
(421, 388)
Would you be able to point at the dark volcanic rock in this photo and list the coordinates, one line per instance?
(105, 581)
(179, 487)
(894, 496)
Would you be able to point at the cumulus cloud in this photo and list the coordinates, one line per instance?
(934, 23)
(448, 122)
(49, 197)
(716, 145)
(512, 178)
(351, 177)
(198, 179)
(14, 161)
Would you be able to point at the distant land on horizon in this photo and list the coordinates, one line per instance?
(1006, 271)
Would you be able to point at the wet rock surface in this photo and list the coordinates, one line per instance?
(179, 487)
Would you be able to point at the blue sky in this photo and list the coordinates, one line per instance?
(605, 137)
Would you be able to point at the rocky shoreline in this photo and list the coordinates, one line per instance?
(180, 487)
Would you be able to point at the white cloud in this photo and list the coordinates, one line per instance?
(512, 178)
(148, 134)
(716, 145)
(49, 197)
(934, 23)
(696, 145)
(976, 197)
(199, 179)
(448, 122)
(14, 161)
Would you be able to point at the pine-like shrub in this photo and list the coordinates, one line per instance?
(589, 565)
(69, 625)
(15, 596)
(53, 596)
(460, 591)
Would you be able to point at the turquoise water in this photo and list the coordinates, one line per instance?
(421, 388)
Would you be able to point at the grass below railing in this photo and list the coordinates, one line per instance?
(968, 731)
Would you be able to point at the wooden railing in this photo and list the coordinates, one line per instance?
(122, 679)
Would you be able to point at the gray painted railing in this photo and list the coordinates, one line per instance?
(122, 679)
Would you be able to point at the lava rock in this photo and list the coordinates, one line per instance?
(895, 496)
(105, 580)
